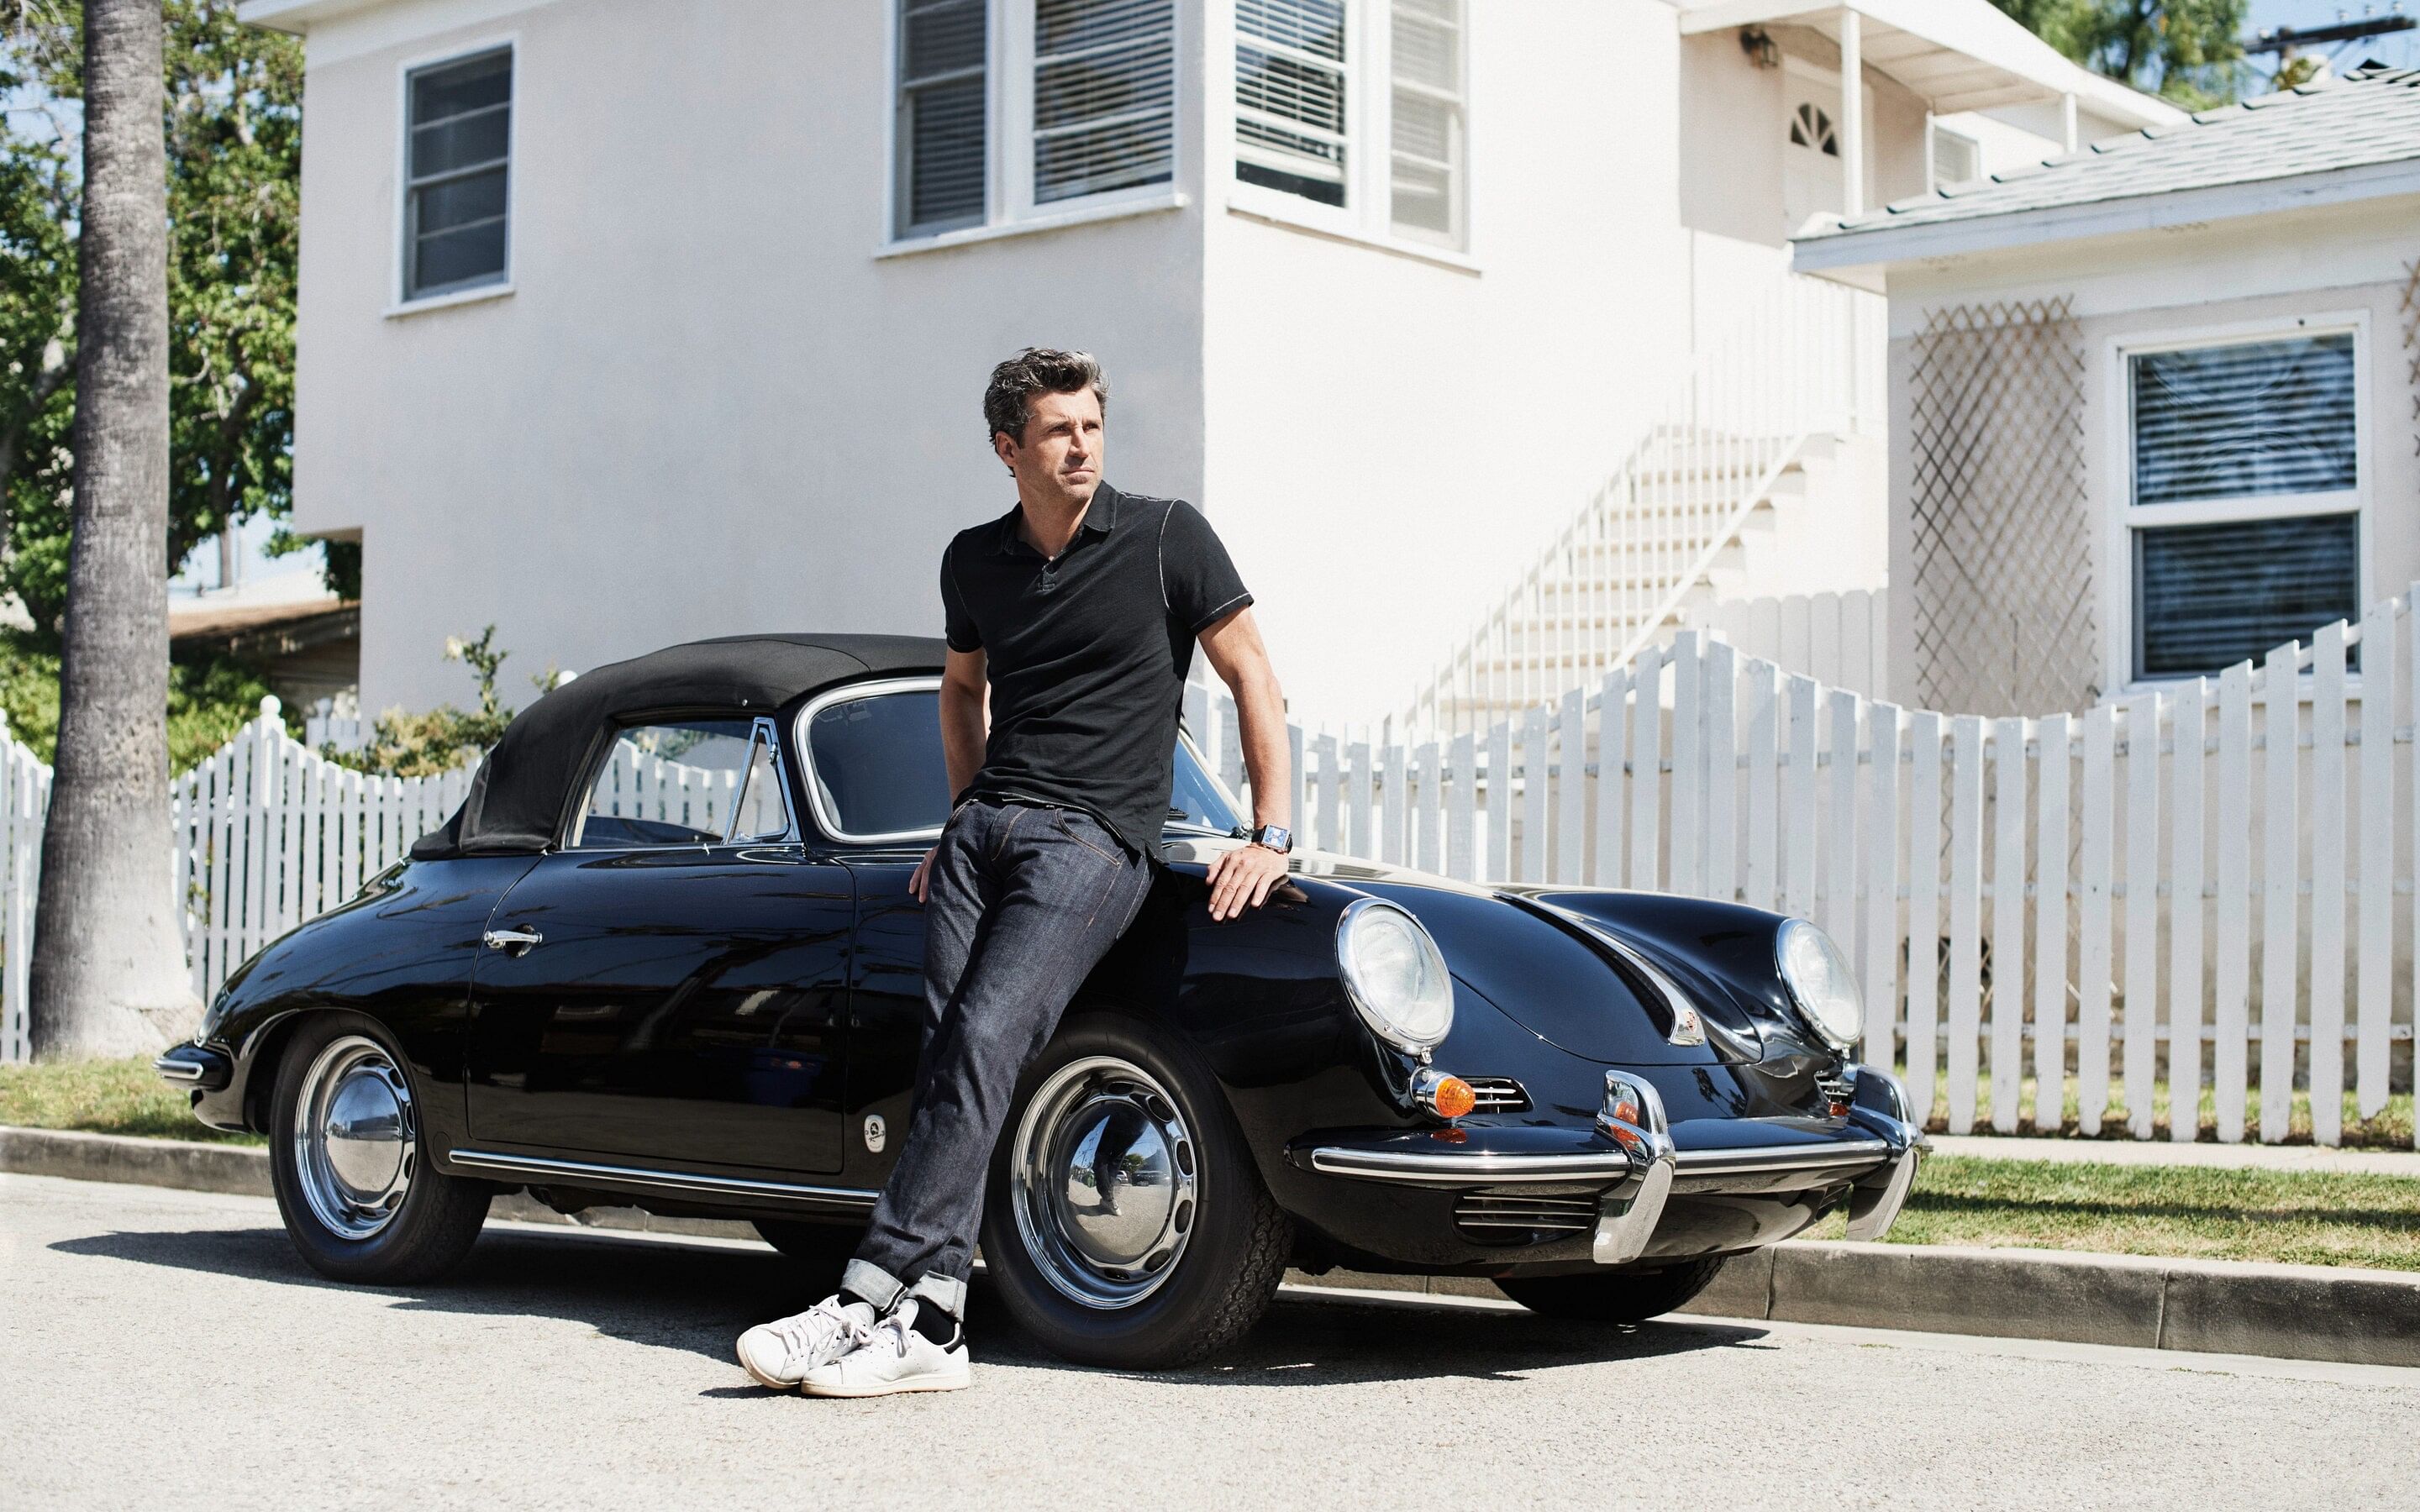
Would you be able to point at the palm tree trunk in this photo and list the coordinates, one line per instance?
(108, 974)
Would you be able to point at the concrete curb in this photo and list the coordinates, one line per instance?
(2294, 1312)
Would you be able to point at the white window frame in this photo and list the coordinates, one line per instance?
(1009, 207)
(2124, 517)
(1367, 214)
(399, 301)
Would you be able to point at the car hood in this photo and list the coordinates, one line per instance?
(1540, 960)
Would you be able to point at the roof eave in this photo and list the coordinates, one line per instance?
(1885, 246)
(297, 15)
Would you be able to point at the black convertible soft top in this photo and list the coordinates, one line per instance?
(519, 793)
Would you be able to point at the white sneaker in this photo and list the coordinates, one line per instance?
(893, 1357)
(780, 1354)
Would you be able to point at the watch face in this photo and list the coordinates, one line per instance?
(1276, 837)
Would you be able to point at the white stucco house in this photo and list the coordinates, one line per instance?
(1468, 322)
(2155, 403)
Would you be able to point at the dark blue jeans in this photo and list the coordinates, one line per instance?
(1021, 902)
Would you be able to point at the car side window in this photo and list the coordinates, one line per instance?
(684, 782)
(878, 771)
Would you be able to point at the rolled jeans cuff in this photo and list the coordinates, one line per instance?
(947, 1293)
(871, 1282)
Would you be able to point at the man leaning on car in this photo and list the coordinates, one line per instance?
(1079, 607)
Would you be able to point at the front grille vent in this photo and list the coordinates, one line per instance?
(1497, 1094)
(1503, 1218)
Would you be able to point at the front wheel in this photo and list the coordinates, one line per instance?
(1124, 1220)
(360, 1197)
(1618, 1297)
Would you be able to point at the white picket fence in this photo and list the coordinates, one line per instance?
(2141, 882)
(2210, 883)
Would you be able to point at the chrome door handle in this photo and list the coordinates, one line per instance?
(514, 941)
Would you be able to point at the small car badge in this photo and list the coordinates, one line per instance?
(875, 1132)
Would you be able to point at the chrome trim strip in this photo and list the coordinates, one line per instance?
(1872, 1212)
(1745, 1160)
(540, 1166)
(168, 1068)
(1473, 1170)
(845, 693)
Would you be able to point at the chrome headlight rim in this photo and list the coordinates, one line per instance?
(1808, 997)
(1372, 1015)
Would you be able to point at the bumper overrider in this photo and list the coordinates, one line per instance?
(194, 1066)
(1631, 1160)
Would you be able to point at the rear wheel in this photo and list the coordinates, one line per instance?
(1618, 1297)
(360, 1197)
(1125, 1222)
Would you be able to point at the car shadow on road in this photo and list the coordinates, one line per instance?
(699, 1297)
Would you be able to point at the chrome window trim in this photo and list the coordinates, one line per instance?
(761, 725)
(543, 1167)
(931, 682)
(845, 693)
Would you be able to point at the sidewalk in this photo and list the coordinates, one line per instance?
(2163, 1152)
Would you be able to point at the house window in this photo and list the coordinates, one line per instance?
(944, 51)
(1011, 109)
(1809, 126)
(1103, 96)
(1955, 158)
(1359, 107)
(458, 150)
(2245, 488)
(1290, 121)
(1427, 63)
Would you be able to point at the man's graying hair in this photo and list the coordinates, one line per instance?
(1008, 399)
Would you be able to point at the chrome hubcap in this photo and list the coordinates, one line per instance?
(356, 1137)
(1105, 1180)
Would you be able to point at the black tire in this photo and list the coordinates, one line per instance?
(1618, 1297)
(1236, 1245)
(821, 1248)
(430, 1229)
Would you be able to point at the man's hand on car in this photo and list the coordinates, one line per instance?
(1243, 876)
(916, 879)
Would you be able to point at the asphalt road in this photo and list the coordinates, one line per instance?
(163, 1347)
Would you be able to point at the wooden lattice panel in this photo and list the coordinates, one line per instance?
(2001, 596)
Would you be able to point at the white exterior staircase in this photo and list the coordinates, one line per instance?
(1722, 497)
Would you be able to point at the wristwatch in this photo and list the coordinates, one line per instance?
(1276, 837)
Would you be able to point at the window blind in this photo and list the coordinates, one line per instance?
(1290, 126)
(943, 48)
(460, 135)
(1955, 158)
(1425, 176)
(1103, 96)
(2211, 596)
(2270, 417)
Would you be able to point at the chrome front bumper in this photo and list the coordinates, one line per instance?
(1880, 1162)
(194, 1066)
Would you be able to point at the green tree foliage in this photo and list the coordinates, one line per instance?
(209, 698)
(422, 745)
(2185, 51)
(234, 125)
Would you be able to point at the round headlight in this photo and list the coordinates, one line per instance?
(1823, 982)
(1395, 974)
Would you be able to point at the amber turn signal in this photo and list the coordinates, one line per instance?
(1447, 1097)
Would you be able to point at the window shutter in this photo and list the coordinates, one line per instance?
(1955, 158)
(461, 134)
(1103, 96)
(2208, 597)
(1426, 172)
(943, 47)
(1290, 95)
(2270, 417)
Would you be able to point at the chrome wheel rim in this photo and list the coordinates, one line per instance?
(356, 1137)
(1105, 1180)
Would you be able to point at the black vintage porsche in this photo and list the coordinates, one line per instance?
(665, 955)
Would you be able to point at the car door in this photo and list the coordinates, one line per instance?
(669, 988)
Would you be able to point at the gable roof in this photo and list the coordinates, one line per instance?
(2338, 126)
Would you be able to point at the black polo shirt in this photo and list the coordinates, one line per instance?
(1087, 651)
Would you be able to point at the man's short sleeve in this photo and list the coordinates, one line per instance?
(1197, 580)
(958, 625)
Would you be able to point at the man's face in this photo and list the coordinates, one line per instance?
(1060, 457)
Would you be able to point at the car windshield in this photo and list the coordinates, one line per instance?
(877, 773)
